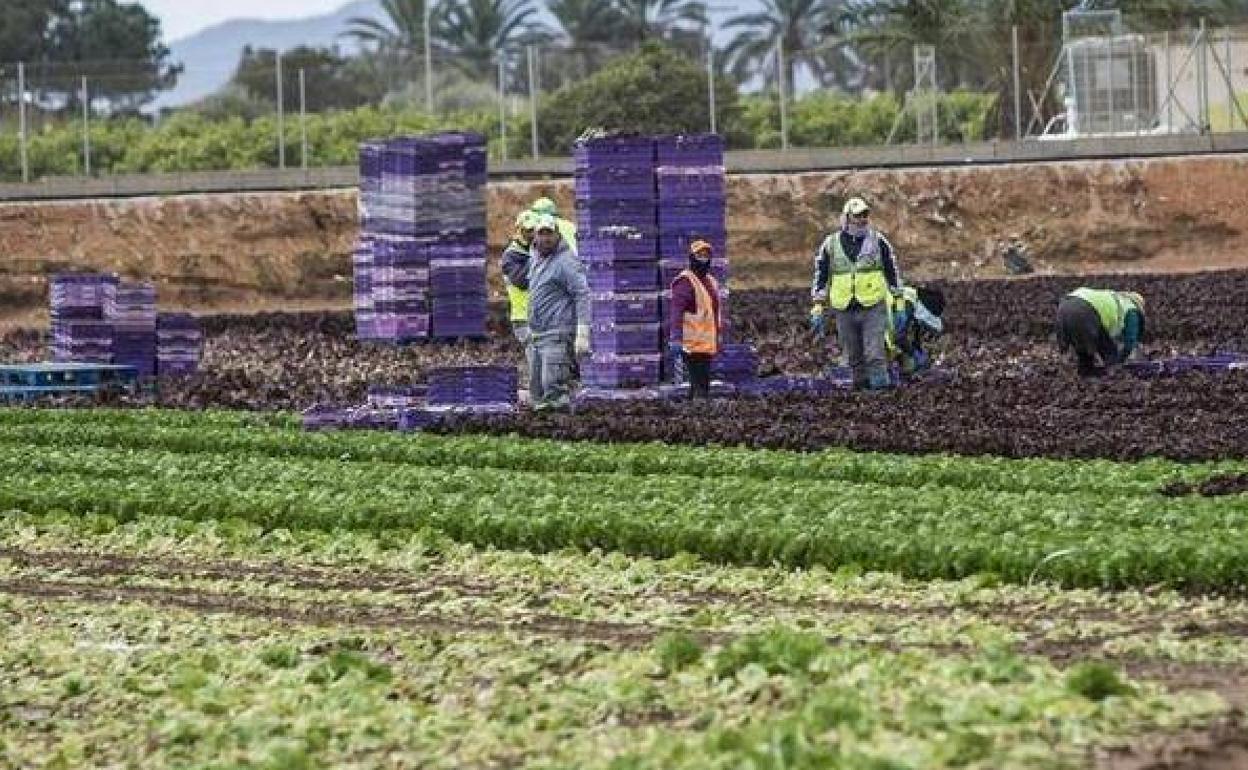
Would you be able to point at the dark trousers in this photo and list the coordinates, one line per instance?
(1079, 327)
(698, 367)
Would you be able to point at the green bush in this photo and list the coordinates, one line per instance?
(654, 91)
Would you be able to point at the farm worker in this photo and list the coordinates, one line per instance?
(567, 230)
(1101, 325)
(516, 274)
(855, 273)
(558, 315)
(695, 330)
(916, 317)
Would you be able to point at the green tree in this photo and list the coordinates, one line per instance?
(653, 91)
(120, 45)
(333, 81)
(26, 29)
(588, 23)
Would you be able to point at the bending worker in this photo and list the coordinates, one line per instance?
(695, 328)
(855, 273)
(1101, 325)
(917, 317)
(558, 316)
(567, 230)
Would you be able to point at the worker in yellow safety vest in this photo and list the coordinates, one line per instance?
(516, 274)
(1102, 326)
(567, 230)
(856, 274)
(693, 340)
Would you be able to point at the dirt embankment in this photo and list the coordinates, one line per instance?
(293, 249)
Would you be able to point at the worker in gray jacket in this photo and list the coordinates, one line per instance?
(558, 315)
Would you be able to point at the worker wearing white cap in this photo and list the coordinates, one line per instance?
(855, 273)
(558, 316)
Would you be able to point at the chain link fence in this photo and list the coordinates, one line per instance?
(308, 108)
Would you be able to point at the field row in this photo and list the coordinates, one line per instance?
(229, 644)
(918, 517)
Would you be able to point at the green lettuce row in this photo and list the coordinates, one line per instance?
(945, 533)
(230, 433)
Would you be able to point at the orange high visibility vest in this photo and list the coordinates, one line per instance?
(701, 328)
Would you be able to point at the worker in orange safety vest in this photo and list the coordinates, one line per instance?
(696, 325)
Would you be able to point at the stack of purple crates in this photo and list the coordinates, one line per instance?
(617, 235)
(473, 389)
(179, 344)
(419, 262)
(692, 206)
(736, 364)
(80, 331)
(131, 311)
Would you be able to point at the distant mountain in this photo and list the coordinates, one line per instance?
(211, 54)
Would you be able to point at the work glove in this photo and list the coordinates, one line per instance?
(581, 346)
(818, 321)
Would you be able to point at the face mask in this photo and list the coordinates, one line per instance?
(700, 267)
(858, 231)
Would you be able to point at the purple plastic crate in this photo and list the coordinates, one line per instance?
(387, 326)
(612, 370)
(592, 216)
(703, 182)
(686, 215)
(609, 189)
(682, 149)
(624, 278)
(614, 151)
(625, 338)
(625, 307)
(600, 250)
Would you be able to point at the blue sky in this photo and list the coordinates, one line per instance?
(180, 18)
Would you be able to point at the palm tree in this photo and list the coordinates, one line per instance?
(588, 23)
(474, 31)
(645, 19)
(405, 35)
(591, 29)
(804, 26)
(887, 30)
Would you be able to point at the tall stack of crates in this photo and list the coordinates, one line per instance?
(617, 235)
(179, 344)
(131, 311)
(80, 332)
(692, 205)
(419, 263)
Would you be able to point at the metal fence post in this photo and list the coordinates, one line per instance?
(710, 80)
(1018, 90)
(502, 100)
(303, 120)
(21, 121)
(428, 59)
(281, 118)
(784, 116)
(86, 127)
(1231, 104)
(533, 99)
(1202, 78)
(1170, 85)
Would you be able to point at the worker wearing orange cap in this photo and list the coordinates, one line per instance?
(1102, 326)
(694, 338)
